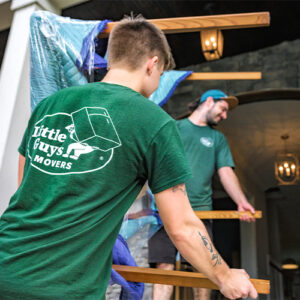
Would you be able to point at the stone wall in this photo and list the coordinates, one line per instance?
(279, 66)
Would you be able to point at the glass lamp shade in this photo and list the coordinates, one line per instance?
(212, 43)
(286, 168)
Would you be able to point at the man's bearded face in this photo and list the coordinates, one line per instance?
(217, 113)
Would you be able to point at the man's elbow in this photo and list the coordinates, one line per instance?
(178, 235)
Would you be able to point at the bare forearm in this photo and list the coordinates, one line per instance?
(189, 235)
(231, 185)
(21, 168)
(197, 248)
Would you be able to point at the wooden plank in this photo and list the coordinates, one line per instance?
(192, 24)
(179, 278)
(225, 76)
(208, 214)
(177, 288)
(226, 214)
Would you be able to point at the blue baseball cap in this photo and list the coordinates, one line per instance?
(219, 95)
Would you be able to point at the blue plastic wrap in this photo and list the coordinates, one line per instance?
(58, 54)
(63, 53)
(143, 212)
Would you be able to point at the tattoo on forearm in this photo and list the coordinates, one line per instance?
(179, 187)
(206, 243)
(216, 258)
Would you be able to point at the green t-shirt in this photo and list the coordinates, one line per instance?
(89, 151)
(207, 151)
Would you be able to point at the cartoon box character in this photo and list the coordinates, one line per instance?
(94, 127)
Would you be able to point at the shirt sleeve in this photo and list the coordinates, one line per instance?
(223, 154)
(166, 162)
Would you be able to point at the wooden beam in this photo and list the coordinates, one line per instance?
(192, 24)
(178, 278)
(226, 214)
(211, 214)
(225, 76)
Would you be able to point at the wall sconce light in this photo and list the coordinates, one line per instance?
(286, 166)
(212, 43)
(289, 264)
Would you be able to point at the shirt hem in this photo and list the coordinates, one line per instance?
(226, 165)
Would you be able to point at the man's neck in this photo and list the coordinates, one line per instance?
(198, 118)
(123, 77)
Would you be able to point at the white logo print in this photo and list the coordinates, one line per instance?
(80, 142)
(77, 148)
(207, 141)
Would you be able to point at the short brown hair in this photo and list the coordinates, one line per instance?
(134, 39)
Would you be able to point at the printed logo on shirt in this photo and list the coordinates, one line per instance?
(207, 141)
(80, 142)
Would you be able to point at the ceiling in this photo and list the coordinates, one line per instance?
(186, 46)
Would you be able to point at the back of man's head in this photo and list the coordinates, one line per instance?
(133, 40)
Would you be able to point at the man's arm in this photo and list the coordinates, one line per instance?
(21, 169)
(231, 185)
(190, 237)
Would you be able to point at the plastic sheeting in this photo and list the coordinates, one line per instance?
(58, 53)
(65, 52)
(143, 212)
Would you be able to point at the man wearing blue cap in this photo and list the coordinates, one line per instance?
(207, 151)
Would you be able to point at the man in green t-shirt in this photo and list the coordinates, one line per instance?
(207, 151)
(85, 155)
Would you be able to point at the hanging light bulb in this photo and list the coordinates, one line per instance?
(280, 168)
(293, 168)
(288, 172)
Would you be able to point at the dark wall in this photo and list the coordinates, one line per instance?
(279, 66)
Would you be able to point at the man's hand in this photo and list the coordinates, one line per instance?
(236, 284)
(246, 206)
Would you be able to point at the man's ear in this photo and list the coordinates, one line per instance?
(151, 63)
(210, 101)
